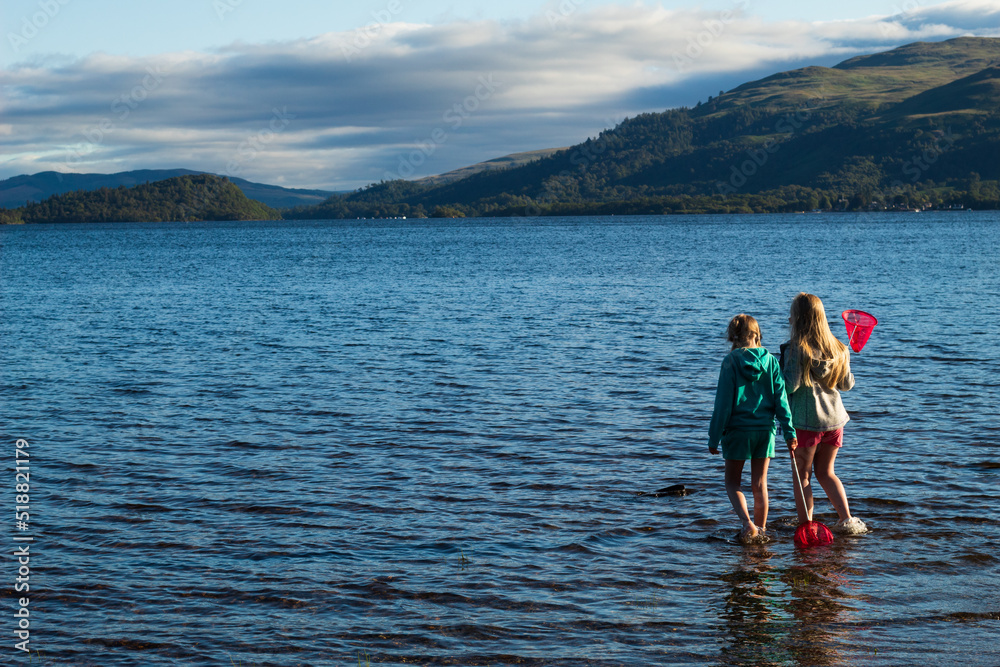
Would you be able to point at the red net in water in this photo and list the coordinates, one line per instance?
(859, 327)
(812, 534)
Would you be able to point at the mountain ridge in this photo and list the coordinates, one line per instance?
(814, 133)
(512, 160)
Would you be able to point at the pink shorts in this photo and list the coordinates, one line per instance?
(813, 438)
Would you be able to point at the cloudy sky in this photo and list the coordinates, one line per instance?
(337, 94)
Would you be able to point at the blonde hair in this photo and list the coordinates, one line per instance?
(743, 332)
(812, 337)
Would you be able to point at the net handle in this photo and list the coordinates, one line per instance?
(798, 482)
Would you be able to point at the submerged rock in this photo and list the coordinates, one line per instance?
(675, 490)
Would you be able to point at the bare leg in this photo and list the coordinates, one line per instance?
(804, 462)
(758, 480)
(734, 473)
(827, 478)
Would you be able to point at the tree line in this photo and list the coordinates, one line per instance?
(182, 199)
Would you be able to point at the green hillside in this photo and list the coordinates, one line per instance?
(183, 198)
(871, 80)
(977, 94)
(910, 127)
(507, 161)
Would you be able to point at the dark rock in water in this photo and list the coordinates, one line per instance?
(675, 490)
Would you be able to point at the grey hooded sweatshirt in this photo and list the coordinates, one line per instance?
(815, 408)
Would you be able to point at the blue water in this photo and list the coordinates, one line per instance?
(420, 442)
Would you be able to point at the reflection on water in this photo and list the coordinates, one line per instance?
(818, 586)
(776, 613)
(754, 612)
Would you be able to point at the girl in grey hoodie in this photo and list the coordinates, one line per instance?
(817, 367)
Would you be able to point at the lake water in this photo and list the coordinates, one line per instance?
(419, 442)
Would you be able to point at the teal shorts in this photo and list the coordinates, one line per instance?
(746, 445)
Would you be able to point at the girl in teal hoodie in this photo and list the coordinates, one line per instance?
(751, 394)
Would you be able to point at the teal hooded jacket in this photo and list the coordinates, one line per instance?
(750, 396)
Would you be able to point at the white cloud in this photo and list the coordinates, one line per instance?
(355, 105)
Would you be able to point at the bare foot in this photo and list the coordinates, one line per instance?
(749, 533)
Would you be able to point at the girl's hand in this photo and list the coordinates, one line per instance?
(714, 451)
(793, 444)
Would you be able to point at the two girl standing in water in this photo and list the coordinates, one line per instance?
(802, 392)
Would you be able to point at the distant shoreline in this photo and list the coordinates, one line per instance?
(861, 214)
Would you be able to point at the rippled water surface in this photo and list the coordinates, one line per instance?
(420, 442)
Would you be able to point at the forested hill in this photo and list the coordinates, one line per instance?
(913, 127)
(184, 198)
(24, 189)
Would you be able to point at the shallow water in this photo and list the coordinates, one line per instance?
(420, 441)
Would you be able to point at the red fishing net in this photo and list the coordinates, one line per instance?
(812, 534)
(859, 327)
